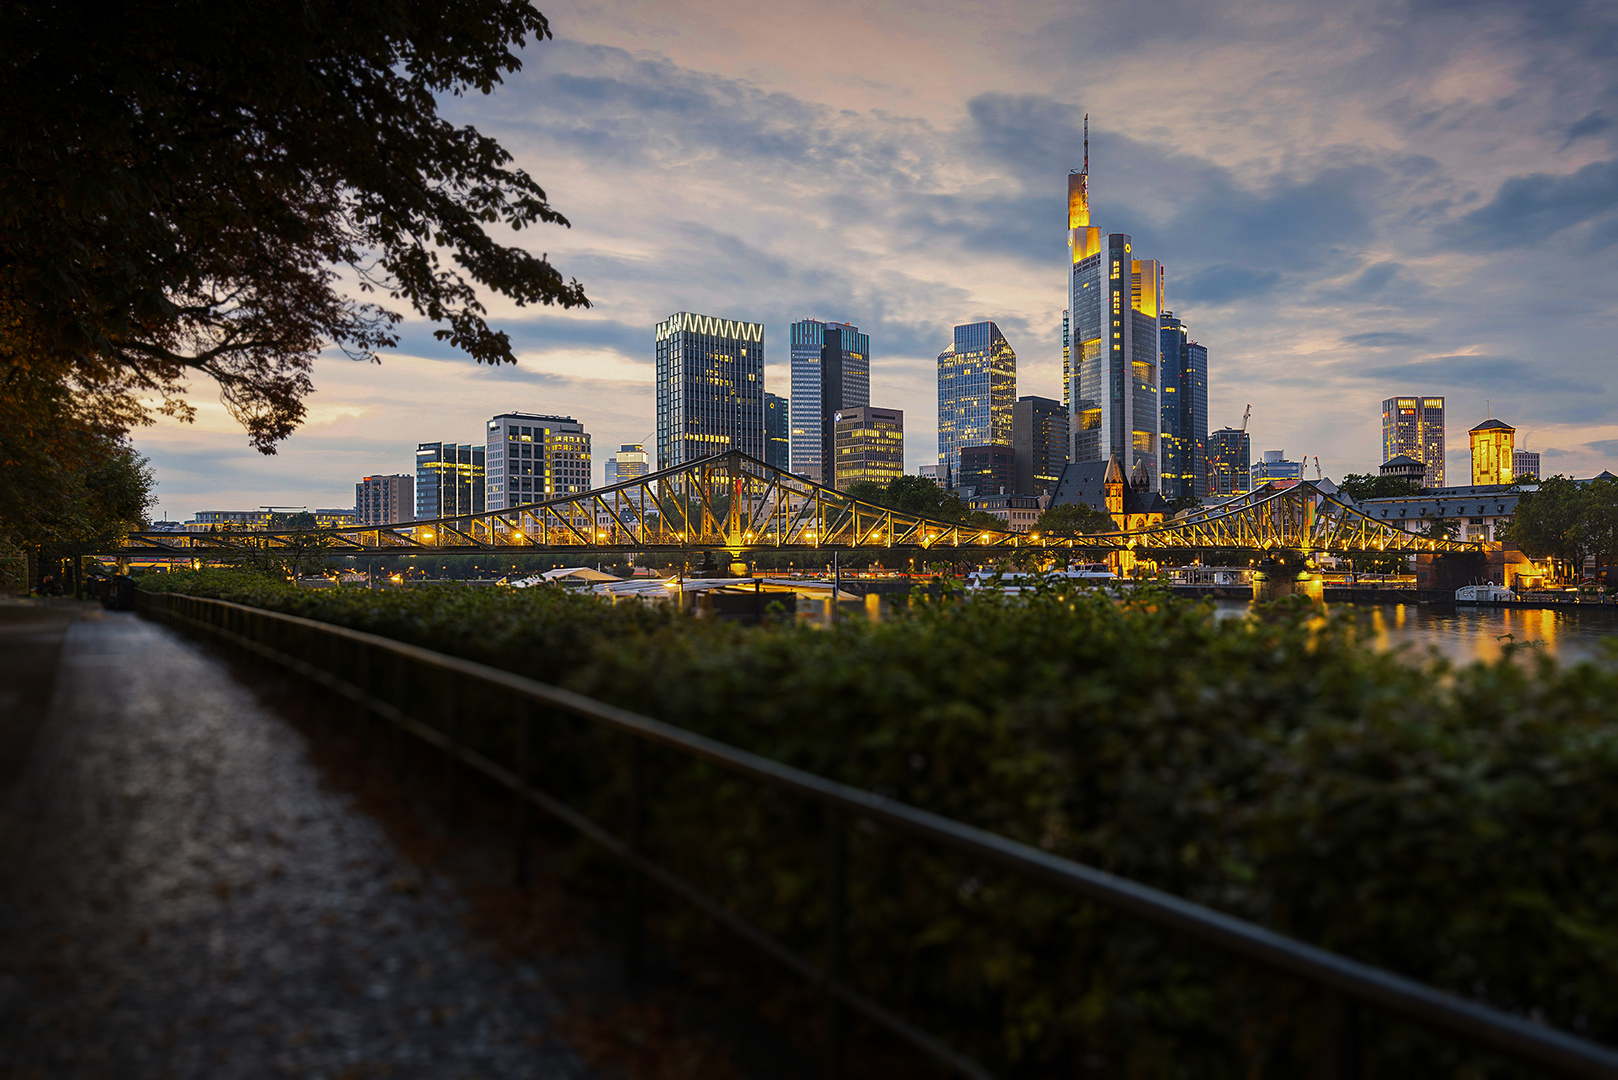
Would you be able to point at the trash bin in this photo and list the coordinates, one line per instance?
(118, 593)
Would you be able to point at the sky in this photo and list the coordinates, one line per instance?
(1352, 200)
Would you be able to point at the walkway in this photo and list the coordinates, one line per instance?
(180, 898)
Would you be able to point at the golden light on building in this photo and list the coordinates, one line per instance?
(1492, 446)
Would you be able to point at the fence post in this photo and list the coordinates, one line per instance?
(1339, 1042)
(519, 838)
(836, 943)
(635, 938)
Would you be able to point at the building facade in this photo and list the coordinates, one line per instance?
(987, 470)
(383, 500)
(1274, 468)
(1230, 453)
(1019, 513)
(1493, 452)
(1184, 386)
(1525, 464)
(869, 445)
(630, 461)
(239, 519)
(977, 388)
(449, 480)
(1414, 427)
(1039, 435)
(1115, 302)
(777, 431)
(1462, 513)
(532, 457)
(710, 388)
(831, 371)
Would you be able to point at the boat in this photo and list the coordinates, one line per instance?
(1487, 593)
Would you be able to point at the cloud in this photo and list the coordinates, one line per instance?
(1382, 339)
(1604, 447)
(1227, 284)
(1592, 124)
(1529, 210)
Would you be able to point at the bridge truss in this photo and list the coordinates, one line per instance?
(736, 503)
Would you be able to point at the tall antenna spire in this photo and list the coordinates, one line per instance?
(1086, 144)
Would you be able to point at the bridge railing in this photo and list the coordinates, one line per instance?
(350, 663)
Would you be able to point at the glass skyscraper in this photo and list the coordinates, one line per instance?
(1230, 454)
(449, 479)
(1114, 303)
(777, 432)
(977, 390)
(710, 388)
(831, 371)
(1414, 427)
(1184, 379)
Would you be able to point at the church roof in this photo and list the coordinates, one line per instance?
(1085, 482)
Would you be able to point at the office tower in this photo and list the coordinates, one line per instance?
(1114, 303)
(1039, 435)
(710, 388)
(869, 445)
(630, 461)
(1067, 362)
(1493, 452)
(977, 387)
(777, 431)
(1414, 427)
(987, 470)
(533, 457)
(1274, 468)
(1230, 452)
(1525, 464)
(449, 480)
(1184, 385)
(383, 500)
(831, 371)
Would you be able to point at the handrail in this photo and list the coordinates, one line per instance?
(1522, 1038)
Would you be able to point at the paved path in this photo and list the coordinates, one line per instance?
(180, 898)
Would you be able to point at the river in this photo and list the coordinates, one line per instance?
(1465, 634)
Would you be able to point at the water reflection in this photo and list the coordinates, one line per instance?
(1467, 634)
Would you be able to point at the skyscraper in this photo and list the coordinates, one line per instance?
(1114, 303)
(630, 461)
(383, 500)
(870, 445)
(710, 388)
(1414, 427)
(977, 387)
(831, 371)
(449, 479)
(1039, 434)
(777, 432)
(532, 457)
(1184, 379)
(1230, 453)
(1525, 464)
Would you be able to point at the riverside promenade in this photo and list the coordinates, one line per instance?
(180, 896)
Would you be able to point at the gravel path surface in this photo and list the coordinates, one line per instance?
(180, 897)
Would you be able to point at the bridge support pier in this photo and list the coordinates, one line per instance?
(1276, 582)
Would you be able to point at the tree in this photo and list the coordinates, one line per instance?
(184, 186)
(1074, 519)
(867, 491)
(920, 496)
(1598, 522)
(1184, 502)
(1548, 523)
(1362, 486)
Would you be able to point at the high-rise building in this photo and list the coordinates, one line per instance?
(987, 470)
(1230, 453)
(777, 431)
(383, 500)
(710, 388)
(1414, 427)
(977, 387)
(1524, 464)
(870, 445)
(1115, 300)
(449, 480)
(1493, 452)
(1039, 435)
(831, 372)
(1274, 468)
(1184, 385)
(1067, 362)
(532, 457)
(630, 461)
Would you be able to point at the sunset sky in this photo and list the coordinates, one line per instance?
(1353, 200)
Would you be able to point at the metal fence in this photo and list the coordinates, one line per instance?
(290, 642)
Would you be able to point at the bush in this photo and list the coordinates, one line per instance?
(1456, 824)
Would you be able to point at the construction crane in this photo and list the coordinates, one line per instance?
(1317, 466)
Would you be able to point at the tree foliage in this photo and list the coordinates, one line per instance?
(1564, 520)
(921, 496)
(1362, 486)
(1074, 519)
(186, 189)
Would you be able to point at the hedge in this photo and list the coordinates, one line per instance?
(1458, 824)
